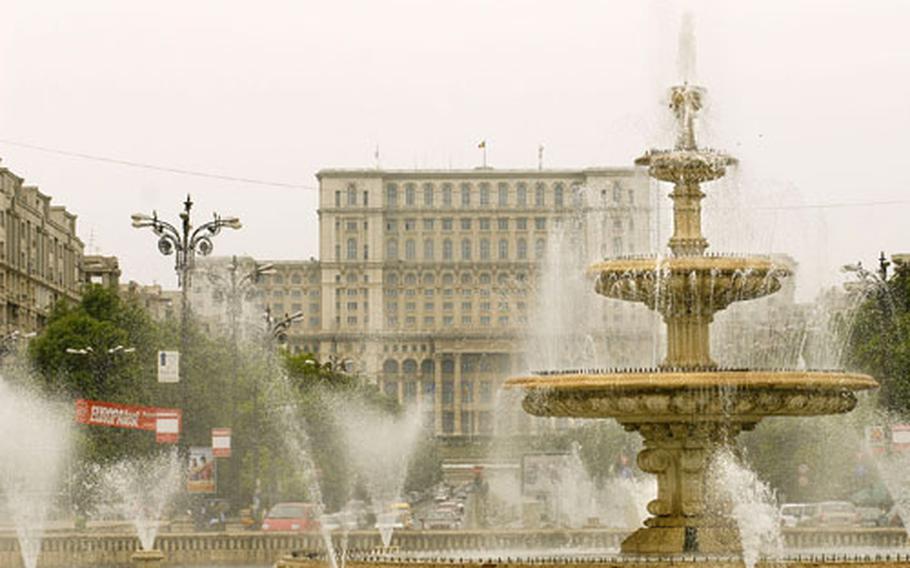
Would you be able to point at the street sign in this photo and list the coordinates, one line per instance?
(221, 442)
(168, 366)
(900, 437)
(167, 427)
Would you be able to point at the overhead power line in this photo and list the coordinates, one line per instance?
(256, 181)
(167, 169)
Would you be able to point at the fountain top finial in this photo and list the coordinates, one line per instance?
(685, 102)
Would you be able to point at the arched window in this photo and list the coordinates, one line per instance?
(448, 278)
(410, 279)
(448, 366)
(484, 194)
(465, 195)
(522, 249)
(352, 195)
(466, 278)
(465, 249)
(539, 190)
(391, 249)
(391, 195)
(447, 195)
(484, 249)
(410, 250)
(558, 195)
(410, 195)
(427, 367)
(352, 249)
(447, 249)
(429, 279)
(390, 367)
(503, 191)
(409, 367)
(428, 194)
(392, 279)
(428, 249)
(521, 195)
(617, 192)
(540, 247)
(485, 278)
(503, 249)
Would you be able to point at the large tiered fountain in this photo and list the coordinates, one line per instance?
(687, 407)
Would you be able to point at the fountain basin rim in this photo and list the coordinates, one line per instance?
(693, 380)
(688, 264)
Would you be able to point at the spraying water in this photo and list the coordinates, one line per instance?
(751, 507)
(380, 448)
(34, 444)
(139, 489)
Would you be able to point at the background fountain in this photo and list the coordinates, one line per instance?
(34, 447)
(139, 489)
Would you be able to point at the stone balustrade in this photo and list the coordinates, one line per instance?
(76, 550)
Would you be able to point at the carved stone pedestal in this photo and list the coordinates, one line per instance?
(678, 454)
(147, 559)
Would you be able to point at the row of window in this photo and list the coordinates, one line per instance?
(295, 278)
(484, 249)
(429, 322)
(467, 224)
(502, 306)
(446, 195)
(448, 278)
(484, 390)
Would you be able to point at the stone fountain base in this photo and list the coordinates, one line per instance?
(147, 558)
(818, 561)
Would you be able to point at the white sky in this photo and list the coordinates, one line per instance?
(811, 96)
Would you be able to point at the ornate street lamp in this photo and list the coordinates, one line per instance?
(185, 243)
(236, 288)
(276, 331)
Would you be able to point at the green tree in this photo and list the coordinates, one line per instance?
(115, 342)
(880, 340)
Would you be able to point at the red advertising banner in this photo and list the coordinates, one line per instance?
(165, 422)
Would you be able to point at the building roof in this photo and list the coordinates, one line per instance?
(481, 173)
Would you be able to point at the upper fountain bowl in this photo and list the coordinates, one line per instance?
(708, 283)
(682, 166)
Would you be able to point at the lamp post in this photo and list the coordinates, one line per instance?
(184, 243)
(276, 331)
(100, 365)
(235, 288)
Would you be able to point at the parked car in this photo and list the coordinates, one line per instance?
(835, 514)
(871, 517)
(291, 517)
(793, 515)
(441, 520)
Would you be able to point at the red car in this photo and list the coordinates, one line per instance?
(292, 517)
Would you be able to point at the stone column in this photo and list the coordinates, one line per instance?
(678, 454)
(437, 394)
(457, 395)
(687, 238)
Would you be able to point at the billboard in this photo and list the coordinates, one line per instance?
(165, 422)
(201, 473)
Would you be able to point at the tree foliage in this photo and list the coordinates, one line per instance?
(880, 341)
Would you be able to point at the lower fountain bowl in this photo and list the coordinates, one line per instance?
(693, 396)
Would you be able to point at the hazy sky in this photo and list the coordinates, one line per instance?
(811, 96)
